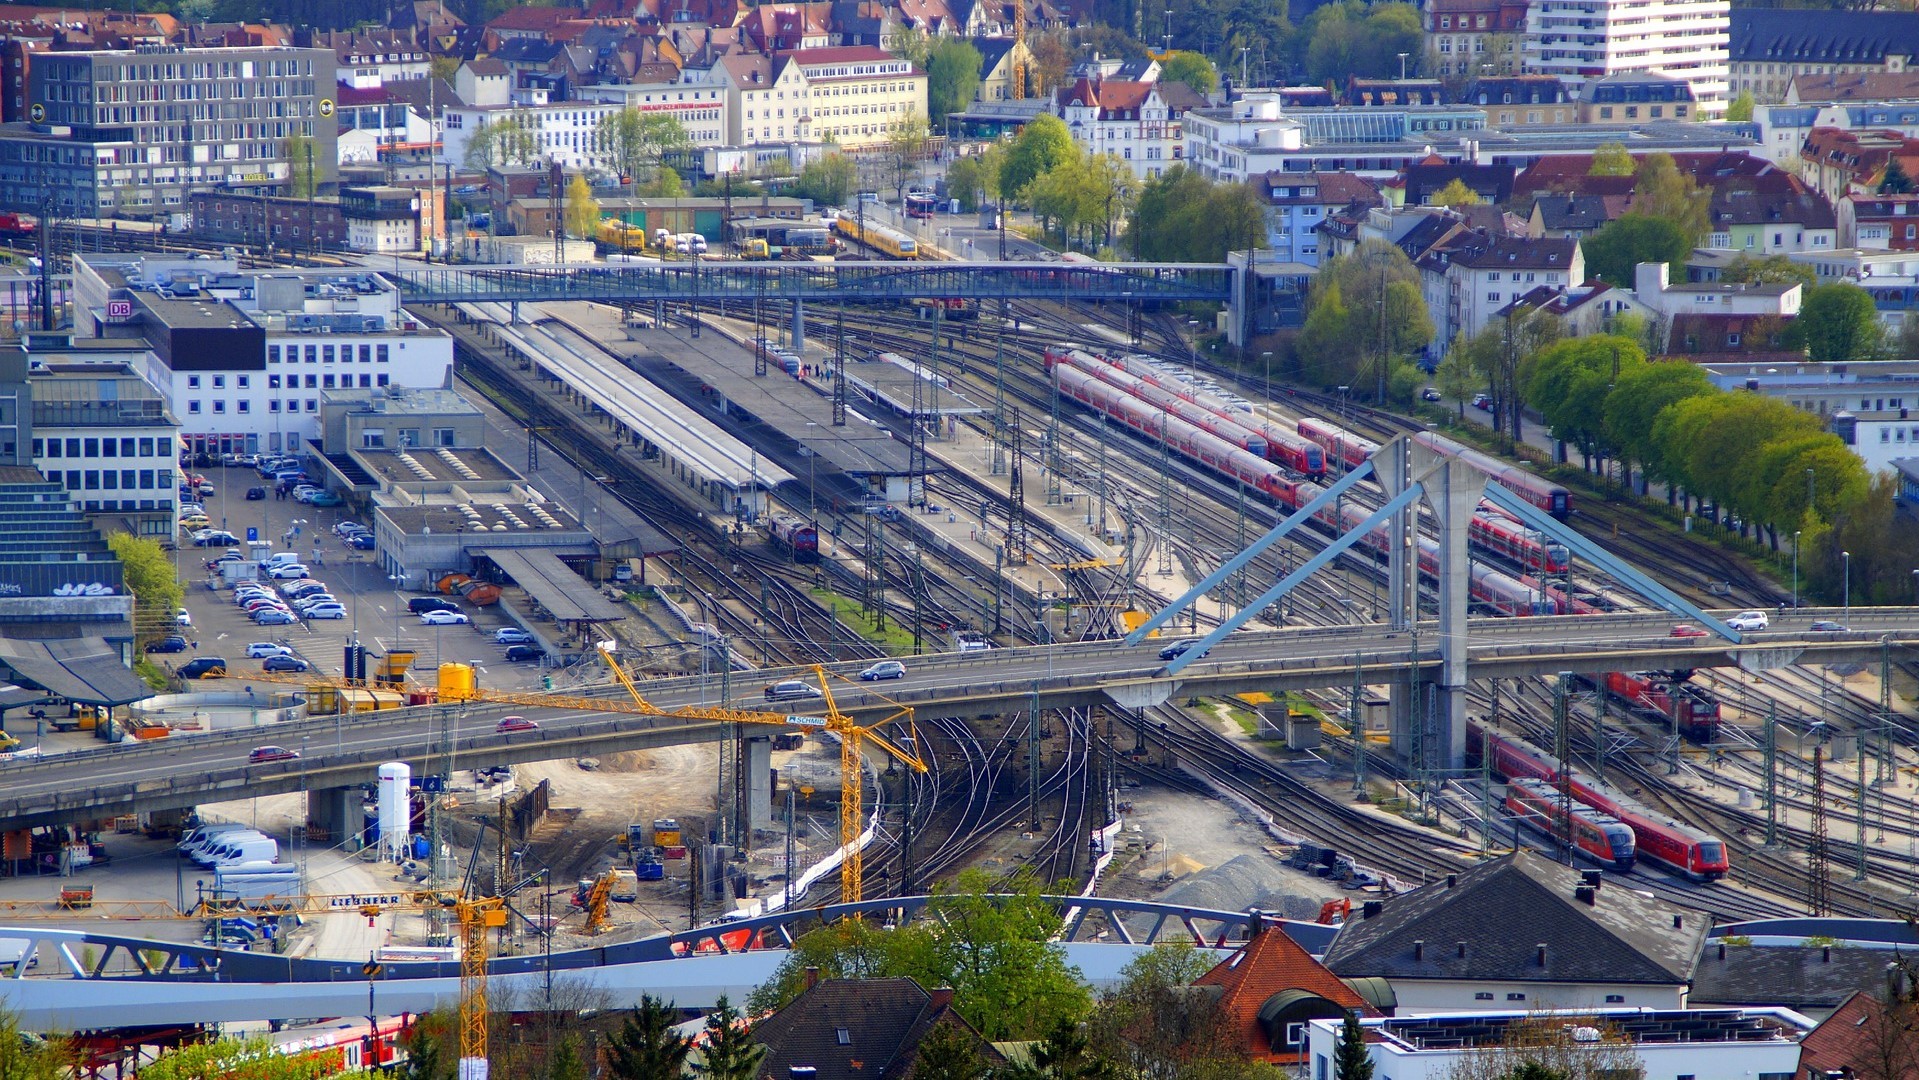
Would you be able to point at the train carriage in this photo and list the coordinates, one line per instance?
(1599, 837)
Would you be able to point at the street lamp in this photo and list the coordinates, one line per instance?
(398, 603)
(1266, 358)
(1845, 559)
(1795, 569)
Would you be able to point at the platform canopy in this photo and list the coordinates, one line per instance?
(567, 596)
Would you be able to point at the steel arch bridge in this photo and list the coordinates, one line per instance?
(82, 979)
(816, 282)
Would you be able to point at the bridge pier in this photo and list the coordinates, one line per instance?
(758, 811)
(799, 325)
(340, 811)
(1453, 490)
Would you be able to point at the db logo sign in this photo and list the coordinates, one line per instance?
(119, 309)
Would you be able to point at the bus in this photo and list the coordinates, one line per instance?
(920, 205)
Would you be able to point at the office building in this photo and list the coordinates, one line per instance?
(132, 132)
(105, 435)
(242, 358)
(1582, 40)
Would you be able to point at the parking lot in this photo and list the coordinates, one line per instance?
(373, 609)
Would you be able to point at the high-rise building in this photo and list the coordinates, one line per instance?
(1579, 40)
(130, 132)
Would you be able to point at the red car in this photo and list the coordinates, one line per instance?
(516, 723)
(271, 753)
(1688, 630)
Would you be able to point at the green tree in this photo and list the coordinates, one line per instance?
(1043, 145)
(1501, 353)
(1612, 159)
(1375, 315)
(508, 140)
(1836, 323)
(1617, 247)
(1660, 190)
(828, 180)
(952, 77)
(1154, 1027)
(565, 1062)
(1180, 216)
(305, 169)
(974, 179)
(253, 1058)
(634, 142)
(646, 1047)
(1348, 38)
(731, 1053)
(1769, 269)
(949, 1052)
(1065, 1053)
(905, 147)
(912, 45)
(1740, 110)
(152, 580)
(582, 209)
(26, 1056)
(1570, 381)
(1350, 1059)
(1456, 194)
(432, 1045)
(1455, 377)
(665, 184)
(1190, 68)
(1895, 181)
(1637, 400)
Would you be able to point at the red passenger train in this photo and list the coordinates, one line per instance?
(1600, 837)
(796, 535)
(1232, 431)
(1548, 496)
(1696, 854)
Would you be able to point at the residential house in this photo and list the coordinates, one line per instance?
(1567, 215)
(1861, 1036)
(1839, 163)
(1473, 275)
(483, 83)
(1716, 317)
(1769, 46)
(1637, 95)
(853, 93)
(1586, 40)
(1581, 310)
(1879, 222)
(1815, 980)
(1297, 203)
(1418, 183)
(1393, 92)
(1271, 988)
(1784, 128)
(1123, 119)
(1560, 939)
(859, 1029)
(369, 59)
(1824, 89)
(1468, 37)
(1522, 101)
(998, 57)
(1771, 216)
(775, 28)
(1867, 267)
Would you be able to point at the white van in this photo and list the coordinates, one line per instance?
(219, 842)
(279, 558)
(249, 849)
(228, 848)
(197, 837)
(261, 866)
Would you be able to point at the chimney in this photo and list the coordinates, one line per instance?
(1542, 954)
(1255, 922)
(1825, 954)
(1586, 895)
(801, 1072)
(1419, 950)
(1896, 988)
(1462, 950)
(1370, 909)
(1590, 877)
(1452, 880)
(1722, 950)
(809, 978)
(940, 997)
(1678, 922)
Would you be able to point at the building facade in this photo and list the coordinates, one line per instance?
(854, 94)
(128, 133)
(106, 436)
(1581, 40)
(1769, 46)
(1469, 38)
(1297, 204)
(1123, 119)
(267, 221)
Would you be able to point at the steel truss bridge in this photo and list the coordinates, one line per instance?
(816, 282)
(84, 980)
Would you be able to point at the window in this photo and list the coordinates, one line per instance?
(382, 355)
(326, 354)
(193, 407)
(273, 406)
(146, 448)
(293, 404)
(1732, 340)
(327, 382)
(1620, 999)
(1483, 995)
(312, 381)
(219, 382)
(443, 436)
(1515, 996)
(313, 405)
(146, 479)
(843, 1036)
(313, 354)
(1320, 1069)
(126, 445)
(93, 479)
(273, 382)
(273, 354)
(93, 448)
(380, 379)
(73, 447)
(1492, 297)
(1295, 1034)
(243, 405)
(242, 382)
(193, 382)
(366, 354)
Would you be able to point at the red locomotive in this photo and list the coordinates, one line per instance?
(796, 535)
(1693, 712)
(1600, 837)
(1698, 855)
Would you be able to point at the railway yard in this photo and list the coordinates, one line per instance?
(953, 476)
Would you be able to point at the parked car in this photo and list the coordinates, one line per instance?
(1483, 401)
(260, 650)
(512, 635)
(170, 644)
(274, 617)
(516, 723)
(201, 667)
(1429, 394)
(302, 587)
(420, 605)
(325, 498)
(194, 521)
(520, 654)
(271, 753)
(285, 663)
(324, 611)
(183, 617)
(347, 528)
(256, 493)
(885, 669)
(289, 570)
(231, 556)
(1748, 620)
(444, 618)
(360, 542)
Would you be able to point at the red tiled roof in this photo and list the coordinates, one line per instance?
(1851, 1038)
(1268, 964)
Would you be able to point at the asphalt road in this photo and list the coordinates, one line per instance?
(183, 771)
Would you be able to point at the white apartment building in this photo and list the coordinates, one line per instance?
(1652, 283)
(567, 133)
(241, 359)
(697, 100)
(854, 93)
(1124, 119)
(1579, 40)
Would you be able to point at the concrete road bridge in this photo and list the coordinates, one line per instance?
(340, 754)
